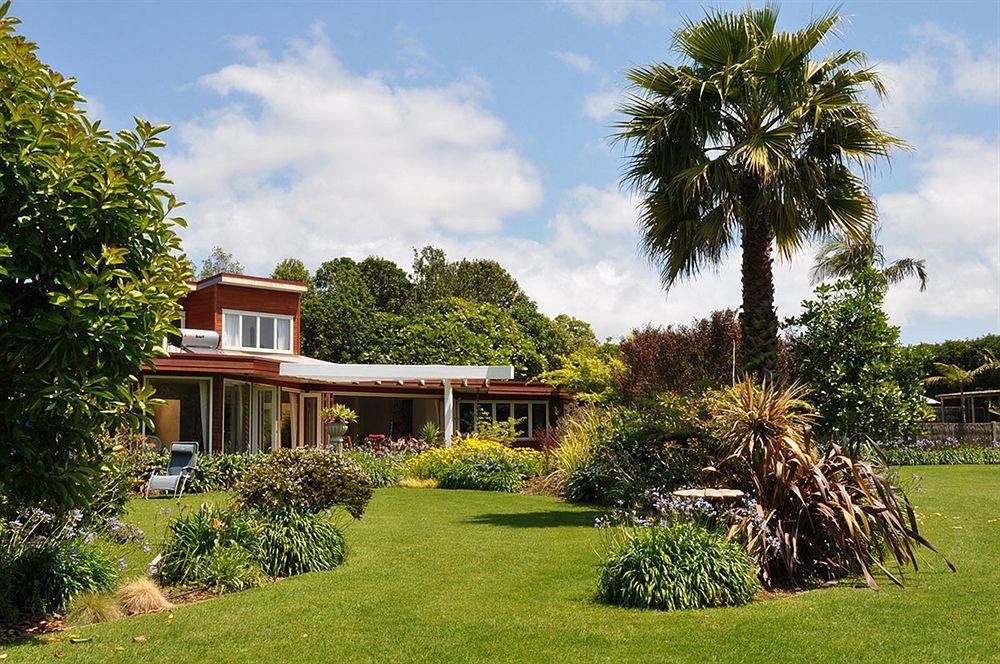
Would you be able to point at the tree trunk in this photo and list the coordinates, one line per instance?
(758, 320)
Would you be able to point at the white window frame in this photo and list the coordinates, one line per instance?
(258, 314)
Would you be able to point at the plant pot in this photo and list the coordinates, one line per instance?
(335, 432)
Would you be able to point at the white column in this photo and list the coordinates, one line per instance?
(449, 413)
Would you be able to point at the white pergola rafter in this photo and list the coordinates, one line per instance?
(446, 373)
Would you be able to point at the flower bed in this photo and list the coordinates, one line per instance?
(931, 452)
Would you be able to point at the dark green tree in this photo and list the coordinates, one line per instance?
(387, 282)
(90, 274)
(865, 385)
(292, 269)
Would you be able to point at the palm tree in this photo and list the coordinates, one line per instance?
(955, 377)
(750, 141)
(842, 256)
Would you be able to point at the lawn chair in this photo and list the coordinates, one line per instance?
(180, 469)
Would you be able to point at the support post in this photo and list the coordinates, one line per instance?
(449, 413)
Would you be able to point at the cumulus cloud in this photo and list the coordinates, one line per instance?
(610, 12)
(952, 220)
(941, 68)
(305, 157)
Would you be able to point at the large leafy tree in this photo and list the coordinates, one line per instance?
(750, 142)
(292, 269)
(90, 275)
(866, 386)
(842, 256)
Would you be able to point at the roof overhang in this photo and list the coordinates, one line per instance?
(229, 279)
(347, 373)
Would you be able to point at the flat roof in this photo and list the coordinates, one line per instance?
(973, 393)
(231, 279)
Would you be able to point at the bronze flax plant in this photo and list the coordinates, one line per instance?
(818, 516)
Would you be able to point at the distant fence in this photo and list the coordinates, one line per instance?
(979, 433)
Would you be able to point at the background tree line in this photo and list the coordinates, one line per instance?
(450, 312)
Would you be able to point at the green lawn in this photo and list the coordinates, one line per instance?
(439, 575)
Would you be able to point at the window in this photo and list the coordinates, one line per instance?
(235, 417)
(533, 415)
(183, 411)
(246, 330)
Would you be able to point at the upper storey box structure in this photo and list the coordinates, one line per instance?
(251, 314)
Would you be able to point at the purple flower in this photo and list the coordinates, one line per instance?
(122, 564)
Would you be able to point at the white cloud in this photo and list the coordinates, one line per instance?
(941, 69)
(307, 157)
(577, 61)
(601, 105)
(610, 12)
(952, 220)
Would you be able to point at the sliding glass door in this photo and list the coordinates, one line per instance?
(265, 418)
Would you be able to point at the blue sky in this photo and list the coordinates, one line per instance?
(319, 130)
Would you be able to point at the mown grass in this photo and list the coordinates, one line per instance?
(436, 575)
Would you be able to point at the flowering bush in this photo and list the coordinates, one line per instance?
(45, 562)
(305, 480)
(676, 565)
(384, 446)
(383, 470)
(477, 464)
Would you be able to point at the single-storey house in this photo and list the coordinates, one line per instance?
(236, 381)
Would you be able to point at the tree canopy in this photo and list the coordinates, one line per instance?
(458, 312)
(90, 274)
(218, 261)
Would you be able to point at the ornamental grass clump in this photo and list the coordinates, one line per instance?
(819, 516)
(677, 565)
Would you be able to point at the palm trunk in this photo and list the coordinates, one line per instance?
(758, 320)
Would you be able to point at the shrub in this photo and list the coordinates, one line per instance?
(308, 480)
(477, 464)
(383, 471)
(818, 516)
(88, 608)
(227, 568)
(91, 270)
(221, 472)
(430, 433)
(864, 385)
(292, 543)
(45, 564)
(339, 413)
(906, 456)
(634, 451)
(577, 435)
(44, 576)
(680, 565)
(142, 596)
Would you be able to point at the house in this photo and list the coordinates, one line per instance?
(236, 379)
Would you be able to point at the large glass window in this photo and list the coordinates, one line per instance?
(235, 417)
(533, 415)
(253, 331)
(183, 412)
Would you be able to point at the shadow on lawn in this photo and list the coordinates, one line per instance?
(546, 519)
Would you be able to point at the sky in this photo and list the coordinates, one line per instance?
(319, 130)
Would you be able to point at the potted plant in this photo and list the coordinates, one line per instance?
(335, 419)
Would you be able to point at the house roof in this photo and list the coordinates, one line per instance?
(239, 364)
(231, 279)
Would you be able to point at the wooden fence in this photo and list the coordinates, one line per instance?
(978, 433)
